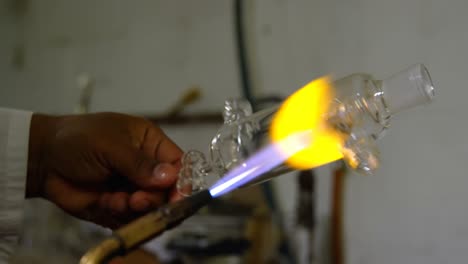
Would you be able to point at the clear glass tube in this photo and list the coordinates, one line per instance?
(361, 109)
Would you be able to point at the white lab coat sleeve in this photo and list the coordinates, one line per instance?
(14, 141)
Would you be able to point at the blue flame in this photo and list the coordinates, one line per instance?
(266, 159)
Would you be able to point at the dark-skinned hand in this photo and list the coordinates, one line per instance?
(106, 168)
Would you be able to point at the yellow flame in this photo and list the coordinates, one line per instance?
(305, 110)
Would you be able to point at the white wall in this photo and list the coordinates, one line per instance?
(415, 209)
(8, 43)
(144, 53)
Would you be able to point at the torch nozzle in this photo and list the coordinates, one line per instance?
(145, 228)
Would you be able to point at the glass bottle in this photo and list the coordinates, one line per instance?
(362, 108)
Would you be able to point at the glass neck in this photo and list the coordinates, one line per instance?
(407, 89)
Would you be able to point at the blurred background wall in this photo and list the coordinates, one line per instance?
(144, 54)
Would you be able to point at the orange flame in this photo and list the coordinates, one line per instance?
(305, 111)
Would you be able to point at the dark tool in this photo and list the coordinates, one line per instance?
(145, 228)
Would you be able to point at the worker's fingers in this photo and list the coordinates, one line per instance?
(165, 175)
(176, 195)
(101, 208)
(104, 200)
(117, 260)
(118, 203)
(102, 215)
(141, 169)
(168, 151)
(68, 196)
(114, 209)
(157, 145)
(141, 201)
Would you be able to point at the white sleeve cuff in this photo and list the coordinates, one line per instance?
(14, 142)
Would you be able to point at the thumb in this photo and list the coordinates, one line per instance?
(143, 170)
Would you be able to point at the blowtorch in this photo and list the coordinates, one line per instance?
(145, 228)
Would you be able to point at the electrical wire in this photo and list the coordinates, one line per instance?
(242, 55)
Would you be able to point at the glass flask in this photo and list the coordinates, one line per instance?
(361, 109)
